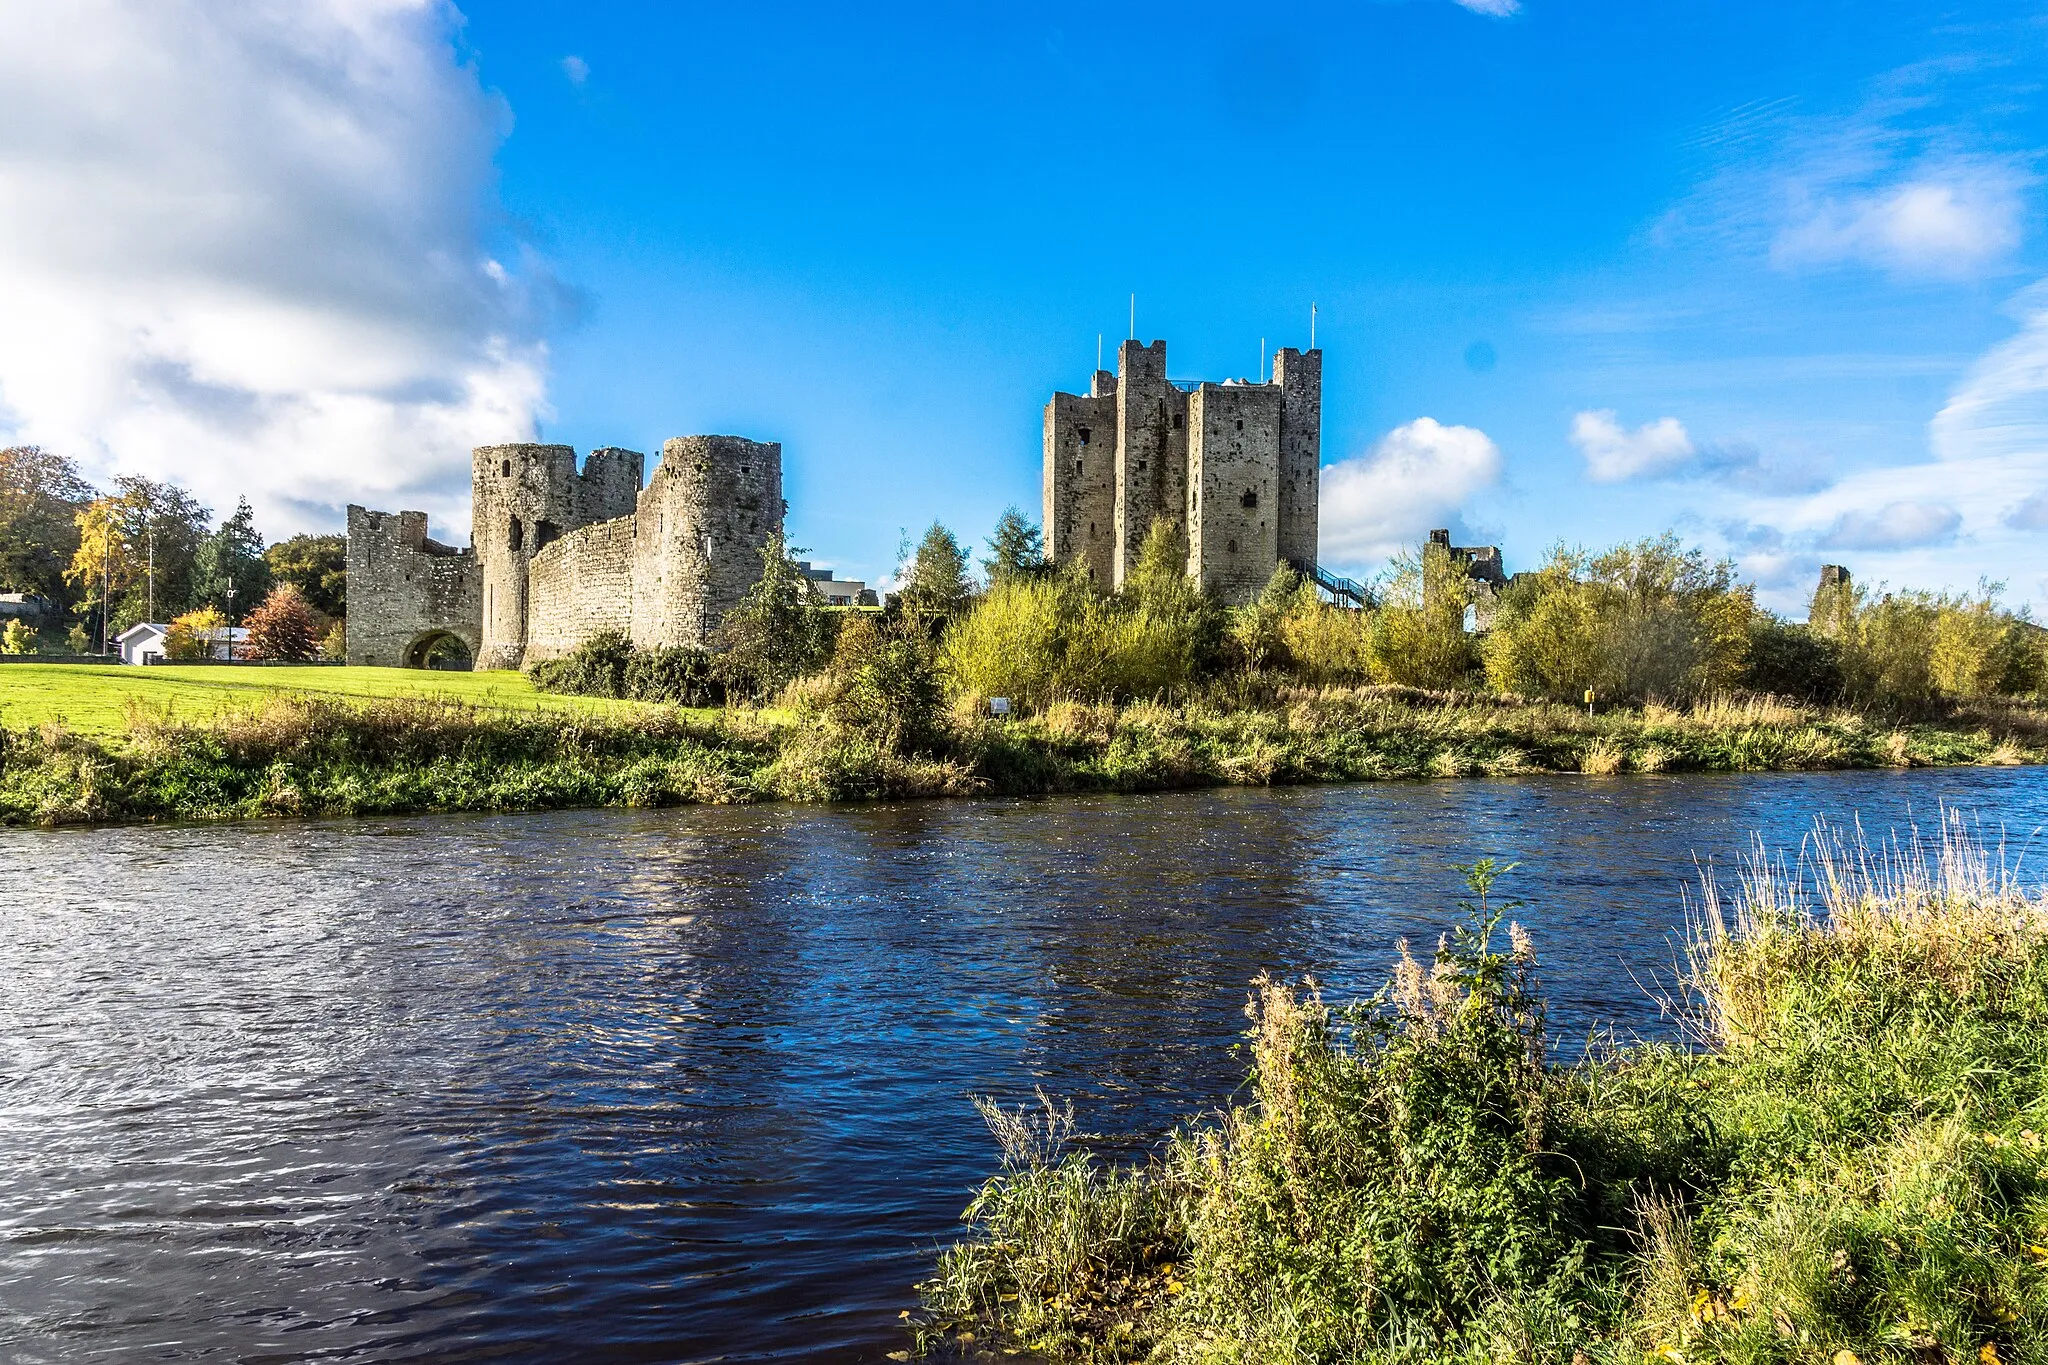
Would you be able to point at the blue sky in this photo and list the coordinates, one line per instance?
(1769, 275)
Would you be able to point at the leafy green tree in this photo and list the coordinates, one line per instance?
(1419, 637)
(935, 582)
(41, 495)
(136, 550)
(781, 630)
(1016, 549)
(317, 566)
(232, 558)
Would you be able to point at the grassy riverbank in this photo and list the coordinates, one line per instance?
(307, 747)
(1850, 1168)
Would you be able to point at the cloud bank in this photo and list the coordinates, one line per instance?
(246, 247)
(1414, 478)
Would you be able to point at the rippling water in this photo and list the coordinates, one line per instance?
(694, 1085)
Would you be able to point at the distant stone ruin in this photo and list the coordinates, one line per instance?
(561, 554)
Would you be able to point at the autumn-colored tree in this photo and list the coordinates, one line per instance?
(283, 627)
(194, 635)
(108, 560)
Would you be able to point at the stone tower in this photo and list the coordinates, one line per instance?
(698, 533)
(525, 497)
(1236, 465)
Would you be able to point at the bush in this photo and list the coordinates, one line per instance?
(607, 665)
(882, 686)
(18, 638)
(1789, 660)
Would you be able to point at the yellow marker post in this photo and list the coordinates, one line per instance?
(1589, 701)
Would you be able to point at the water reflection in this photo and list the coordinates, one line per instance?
(693, 1085)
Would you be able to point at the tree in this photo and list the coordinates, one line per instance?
(779, 631)
(231, 558)
(282, 627)
(105, 564)
(41, 495)
(195, 634)
(317, 566)
(1418, 636)
(936, 582)
(1016, 549)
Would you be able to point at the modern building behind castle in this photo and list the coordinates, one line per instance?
(561, 554)
(1236, 465)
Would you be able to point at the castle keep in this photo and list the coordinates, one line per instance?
(560, 554)
(1236, 465)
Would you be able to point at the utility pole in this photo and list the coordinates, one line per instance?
(230, 631)
(152, 571)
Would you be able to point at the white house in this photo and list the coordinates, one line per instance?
(144, 643)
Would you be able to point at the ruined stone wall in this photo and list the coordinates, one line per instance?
(578, 586)
(609, 485)
(1080, 478)
(1233, 466)
(404, 589)
(1299, 377)
(702, 521)
(522, 498)
(1151, 450)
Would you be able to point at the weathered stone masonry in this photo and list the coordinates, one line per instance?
(1235, 465)
(406, 592)
(561, 554)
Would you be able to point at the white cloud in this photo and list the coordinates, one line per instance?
(576, 69)
(1895, 526)
(2000, 406)
(2031, 515)
(1497, 9)
(245, 247)
(1416, 477)
(1951, 221)
(1614, 453)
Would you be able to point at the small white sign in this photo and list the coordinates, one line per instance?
(999, 706)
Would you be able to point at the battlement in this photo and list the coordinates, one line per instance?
(411, 598)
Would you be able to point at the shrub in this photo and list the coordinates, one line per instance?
(282, 627)
(1788, 660)
(608, 665)
(882, 686)
(18, 638)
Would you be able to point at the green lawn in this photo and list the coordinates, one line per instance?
(94, 699)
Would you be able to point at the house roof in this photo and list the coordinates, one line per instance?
(138, 628)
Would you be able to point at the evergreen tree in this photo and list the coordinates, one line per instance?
(231, 557)
(936, 583)
(1016, 549)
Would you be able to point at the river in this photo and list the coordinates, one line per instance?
(695, 1085)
